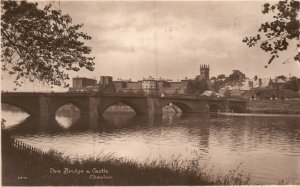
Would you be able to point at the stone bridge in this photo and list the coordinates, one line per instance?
(92, 105)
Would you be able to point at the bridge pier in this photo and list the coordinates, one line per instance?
(89, 113)
(226, 105)
(153, 106)
(43, 112)
(48, 106)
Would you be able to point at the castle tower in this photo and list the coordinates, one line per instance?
(204, 71)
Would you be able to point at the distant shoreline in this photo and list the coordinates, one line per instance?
(283, 107)
(257, 114)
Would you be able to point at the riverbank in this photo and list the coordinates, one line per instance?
(22, 166)
(257, 114)
(291, 106)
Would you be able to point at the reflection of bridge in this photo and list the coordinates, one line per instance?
(92, 105)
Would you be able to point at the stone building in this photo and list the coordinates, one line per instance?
(127, 86)
(259, 82)
(83, 84)
(149, 85)
(105, 81)
(172, 88)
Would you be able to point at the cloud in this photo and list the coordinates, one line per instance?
(106, 46)
(174, 37)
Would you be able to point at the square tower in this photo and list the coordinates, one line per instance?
(204, 71)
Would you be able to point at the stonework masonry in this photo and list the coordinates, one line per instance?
(45, 105)
(148, 86)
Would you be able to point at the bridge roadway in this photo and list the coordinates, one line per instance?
(45, 104)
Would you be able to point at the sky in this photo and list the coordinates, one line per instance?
(132, 40)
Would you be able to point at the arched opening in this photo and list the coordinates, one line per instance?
(119, 113)
(236, 109)
(12, 115)
(176, 107)
(215, 108)
(67, 115)
(171, 109)
(119, 107)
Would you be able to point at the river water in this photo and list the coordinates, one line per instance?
(266, 147)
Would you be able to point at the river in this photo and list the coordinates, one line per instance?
(266, 147)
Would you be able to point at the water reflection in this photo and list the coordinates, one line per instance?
(14, 115)
(268, 147)
(67, 115)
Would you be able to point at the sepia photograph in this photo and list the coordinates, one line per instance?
(150, 93)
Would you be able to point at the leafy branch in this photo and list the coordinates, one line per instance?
(41, 44)
(275, 36)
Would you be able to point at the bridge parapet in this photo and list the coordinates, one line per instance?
(183, 96)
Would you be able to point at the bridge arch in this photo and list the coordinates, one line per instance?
(13, 115)
(185, 108)
(236, 109)
(215, 107)
(57, 103)
(26, 108)
(104, 106)
(67, 115)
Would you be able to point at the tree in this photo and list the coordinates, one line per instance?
(218, 84)
(281, 77)
(220, 77)
(236, 78)
(196, 86)
(275, 36)
(191, 88)
(213, 78)
(41, 44)
(293, 84)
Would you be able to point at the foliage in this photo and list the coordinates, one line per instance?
(41, 44)
(218, 84)
(191, 89)
(275, 36)
(177, 171)
(293, 84)
(196, 86)
(236, 78)
(213, 78)
(222, 76)
(3, 123)
(281, 77)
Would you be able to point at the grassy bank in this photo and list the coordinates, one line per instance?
(274, 106)
(21, 167)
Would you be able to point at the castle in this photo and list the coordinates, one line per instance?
(147, 86)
